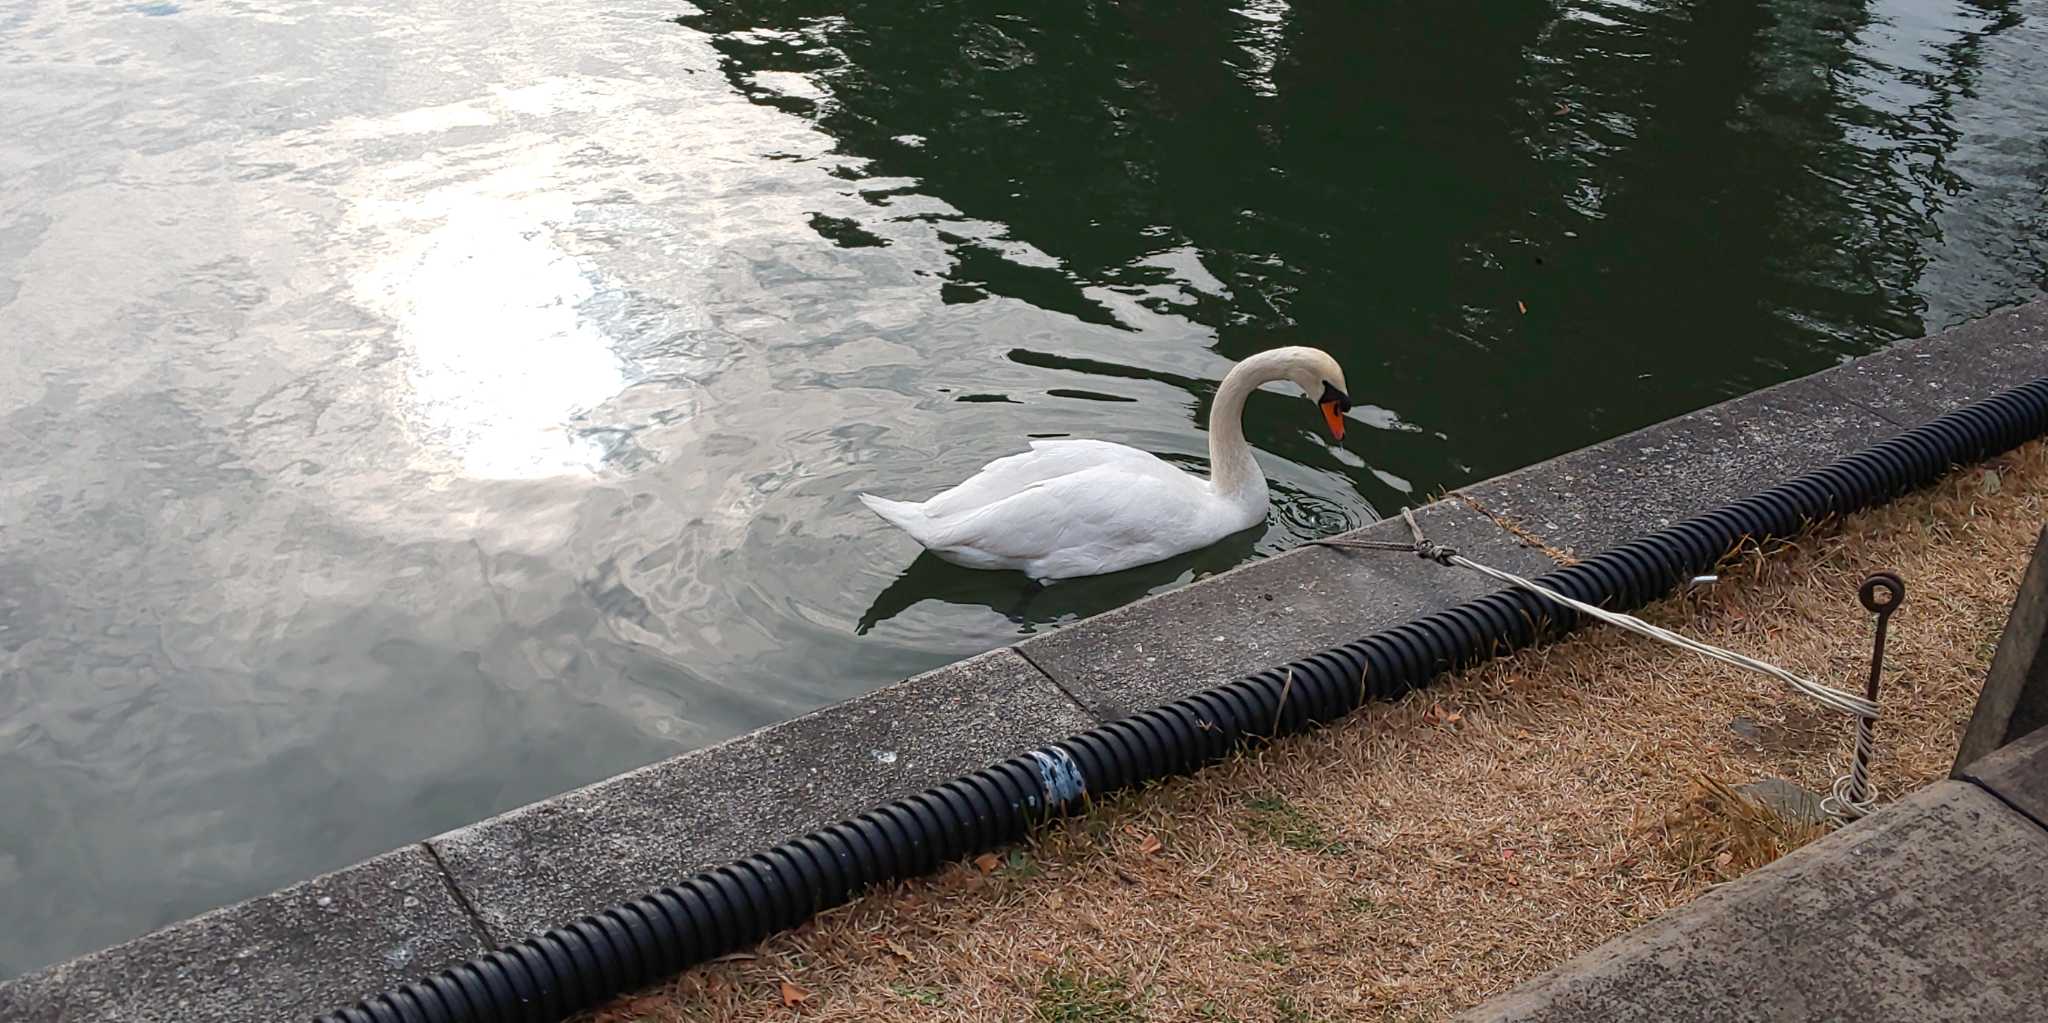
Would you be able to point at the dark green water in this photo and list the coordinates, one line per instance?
(412, 411)
(1689, 200)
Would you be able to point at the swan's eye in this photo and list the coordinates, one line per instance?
(1333, 396)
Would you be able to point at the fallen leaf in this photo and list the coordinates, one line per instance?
(899, 951)
(1519, 304)
(1521, 733)
(1724, 859)
(987, 863)
(1991, 482)
(1151, 845)
(1507, 854)
(791, 995)
(1437, 715)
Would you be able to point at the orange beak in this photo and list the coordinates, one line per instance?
(1334, 418)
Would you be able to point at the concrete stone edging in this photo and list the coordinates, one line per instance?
(326, 942)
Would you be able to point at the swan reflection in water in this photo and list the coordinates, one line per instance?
(1029, 604)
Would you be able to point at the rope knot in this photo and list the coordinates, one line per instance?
(1430, 550)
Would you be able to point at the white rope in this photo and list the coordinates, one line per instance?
(1850, 797)
(1834, 699)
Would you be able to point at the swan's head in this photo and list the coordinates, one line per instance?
(1319, 377)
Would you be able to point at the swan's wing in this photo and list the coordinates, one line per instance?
(1102, 452)
(1047, 460)
(1099, 514)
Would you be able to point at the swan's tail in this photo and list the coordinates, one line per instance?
(904, 515)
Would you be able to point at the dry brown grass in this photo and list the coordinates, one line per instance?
(1429, 853)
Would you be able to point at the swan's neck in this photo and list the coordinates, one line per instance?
(1233, 472)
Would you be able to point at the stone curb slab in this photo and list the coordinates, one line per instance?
(555, 861)
(1597, 497)
(1929, 911)
(1602, 496)
(283, 956)
(1914, 381)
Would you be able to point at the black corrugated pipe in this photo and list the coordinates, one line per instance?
(556, 973)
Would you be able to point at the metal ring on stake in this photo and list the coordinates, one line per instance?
(1885, 582)
(1851, 796)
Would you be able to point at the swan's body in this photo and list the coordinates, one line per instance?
(1070, 508)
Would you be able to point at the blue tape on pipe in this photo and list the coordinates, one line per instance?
(1059, 776)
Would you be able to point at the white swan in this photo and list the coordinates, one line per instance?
(1070, 508)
